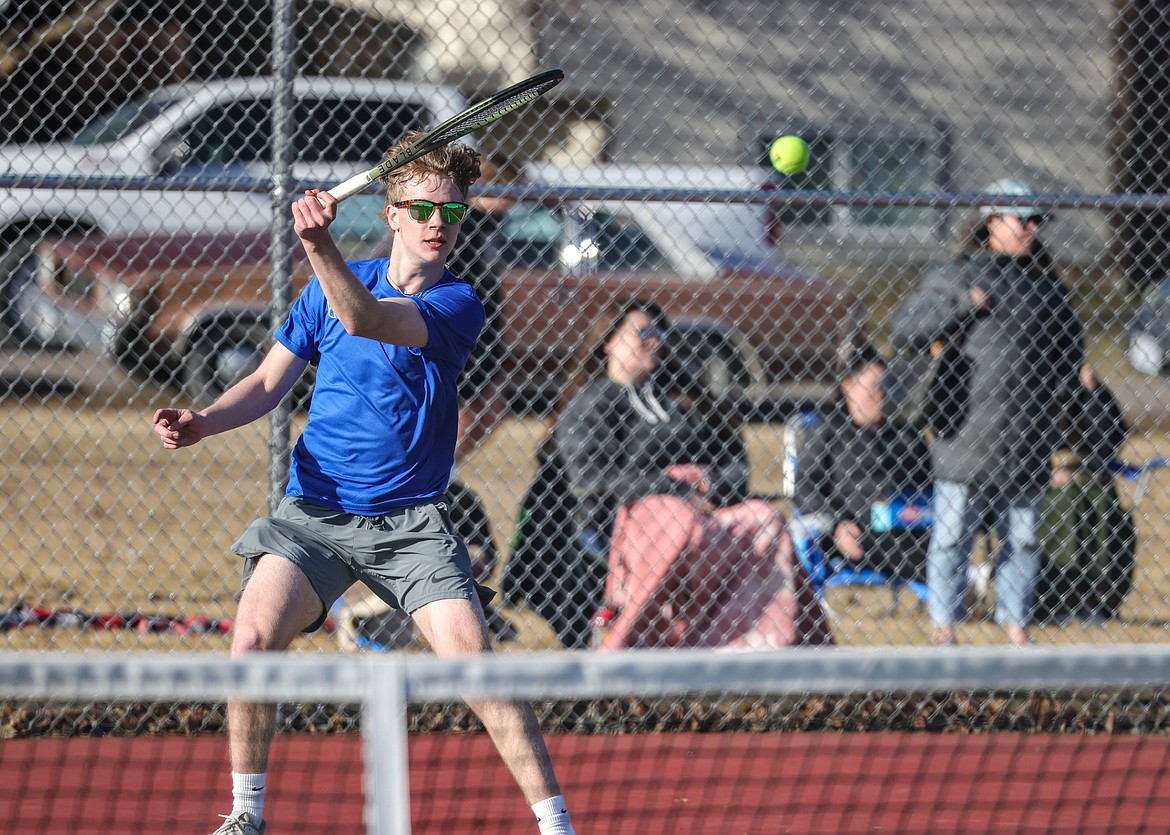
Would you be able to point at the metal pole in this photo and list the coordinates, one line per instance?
(385, 749)
(280, 281)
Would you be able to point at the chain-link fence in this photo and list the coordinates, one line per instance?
(956, 436)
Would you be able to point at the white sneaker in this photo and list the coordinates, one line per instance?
(241, 824)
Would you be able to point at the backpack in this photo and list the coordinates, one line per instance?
(1089, 549)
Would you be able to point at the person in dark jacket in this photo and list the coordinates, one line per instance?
(477, 259)
(855, 461)
(661, 500)
(1013, 350)
(623, 436)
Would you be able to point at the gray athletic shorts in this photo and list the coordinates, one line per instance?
(408, 557)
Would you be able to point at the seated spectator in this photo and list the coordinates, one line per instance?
(661, 501)
(1087, 539)
(866, 478)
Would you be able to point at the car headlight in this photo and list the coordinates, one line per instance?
(573, 254)
(119, 301)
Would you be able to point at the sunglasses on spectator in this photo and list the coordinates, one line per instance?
(650, 332)
(1028, 220)
(421, 210)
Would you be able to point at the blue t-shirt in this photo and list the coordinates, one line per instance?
(383, 419)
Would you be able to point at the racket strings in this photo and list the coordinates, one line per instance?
(501, 108)
(471, 120)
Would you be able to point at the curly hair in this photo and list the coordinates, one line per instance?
(456, 162)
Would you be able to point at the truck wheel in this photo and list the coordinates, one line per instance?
(217, 359)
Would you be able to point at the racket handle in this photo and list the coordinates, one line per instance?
(351, 186)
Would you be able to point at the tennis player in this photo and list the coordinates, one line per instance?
(389, 338)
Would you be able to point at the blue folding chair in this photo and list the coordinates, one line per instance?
(1139, 473)
(826, 574)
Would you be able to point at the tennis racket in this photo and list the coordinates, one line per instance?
(472, 119)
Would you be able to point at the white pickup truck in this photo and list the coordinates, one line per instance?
(137, 171)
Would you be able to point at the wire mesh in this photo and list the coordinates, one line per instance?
(145, 208)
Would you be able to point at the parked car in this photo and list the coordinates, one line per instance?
(217, 131)
(1149, 331)
(702, 261)
(189, 309)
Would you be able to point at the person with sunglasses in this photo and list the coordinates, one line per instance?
(1011, 349)
(662, 512)
(365, 499)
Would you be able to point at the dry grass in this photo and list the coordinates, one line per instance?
(100, 519)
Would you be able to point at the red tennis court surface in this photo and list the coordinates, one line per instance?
(700, 784)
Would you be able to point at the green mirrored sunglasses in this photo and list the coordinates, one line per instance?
(421, 210)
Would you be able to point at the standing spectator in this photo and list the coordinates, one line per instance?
(365, 499)
(477, 260)
(1013, 348)
(854, 458)
(482, 405)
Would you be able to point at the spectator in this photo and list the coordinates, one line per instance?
(658, 499)
(854, 459)
(546, 570)
(477, 259)
(1013, 346)
(1088, 540)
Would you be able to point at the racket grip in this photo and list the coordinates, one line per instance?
(351, 186)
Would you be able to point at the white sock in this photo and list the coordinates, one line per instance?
(552, 815)
(248, 794)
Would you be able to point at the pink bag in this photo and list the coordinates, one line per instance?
(681, 577)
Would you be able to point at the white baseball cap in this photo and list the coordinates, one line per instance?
(1013, 188)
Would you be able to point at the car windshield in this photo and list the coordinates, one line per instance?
(110, 127)
(535, 236)
(610, 240)
(618, 237)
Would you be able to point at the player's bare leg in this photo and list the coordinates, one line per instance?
(276, 605)
(457, 627)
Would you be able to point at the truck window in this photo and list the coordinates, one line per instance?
(354, 131)
(621, 244)
(233, 133)
(110, 127)
(334, 130)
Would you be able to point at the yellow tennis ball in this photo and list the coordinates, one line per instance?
(789, 154)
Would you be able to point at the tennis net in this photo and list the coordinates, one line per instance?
(842, 741)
